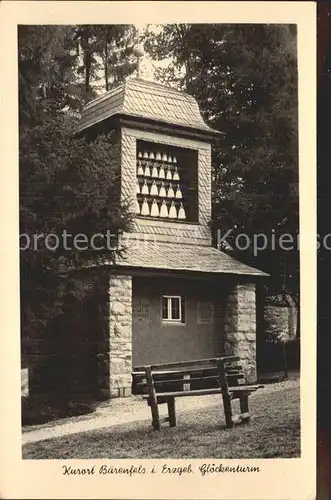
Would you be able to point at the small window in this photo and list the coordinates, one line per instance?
(173, 309)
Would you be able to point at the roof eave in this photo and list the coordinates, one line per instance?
(195, 272)
(132, 121)
(163, 124)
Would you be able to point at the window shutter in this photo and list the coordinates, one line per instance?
(183, 308)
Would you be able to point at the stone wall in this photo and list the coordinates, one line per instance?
(120, 335)
(155, 341)
(240, 327)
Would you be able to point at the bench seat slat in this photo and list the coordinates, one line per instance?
(248, 388)
(180, 380)
(190, 380)
(198, 392)
(173, 372)
(141, 376)
(187, 393)
(226, 359)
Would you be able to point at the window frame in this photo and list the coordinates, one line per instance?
(171, 320)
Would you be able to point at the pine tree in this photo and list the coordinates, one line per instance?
(66, 183)
(244, 78)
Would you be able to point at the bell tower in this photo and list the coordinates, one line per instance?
(172, 296)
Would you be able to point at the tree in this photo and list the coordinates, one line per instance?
(66, 183)
(104, 49)
(244, 78)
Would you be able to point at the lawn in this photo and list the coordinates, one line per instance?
(274, 432)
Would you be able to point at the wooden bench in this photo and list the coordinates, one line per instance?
(163, 383)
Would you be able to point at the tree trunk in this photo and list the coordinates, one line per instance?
(187, 55)
(87, 71)
(85, 36)
(106, 61)
(297, 335)
(285, 367)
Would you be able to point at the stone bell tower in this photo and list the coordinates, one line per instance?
(171, 288)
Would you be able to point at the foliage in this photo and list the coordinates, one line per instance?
(106, 49)
(245, 80)
(66, 183)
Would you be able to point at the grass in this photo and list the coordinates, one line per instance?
(274, 432)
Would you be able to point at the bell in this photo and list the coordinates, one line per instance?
(162, 191)
(154, 171)
(169, 159)
(164, 210)
(181, 212)
(145, 155)
(172, 211)
(140, 169)
(137, 207)
(145, 208)
(164, 157)
(137, 187)
(144, 189)
(147, 171)
(140, 155)
(153, 190)
(174, 160)
(169, 175)
(151, 156)
(170, 193)
(176, 176)
(155, 209)
(161, 173)
(158, 156)
(178, 192)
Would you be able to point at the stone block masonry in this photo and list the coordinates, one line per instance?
(240, 327)
(120, 335)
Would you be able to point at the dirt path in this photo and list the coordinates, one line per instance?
(126, 410)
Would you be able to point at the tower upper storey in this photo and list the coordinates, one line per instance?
(165, 157)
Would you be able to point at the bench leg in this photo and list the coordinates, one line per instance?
(172, 412)
(227, 410)
(245, 417)
(152, 400)
(155, 416)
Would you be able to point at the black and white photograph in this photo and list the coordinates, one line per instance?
(160, 290)
(160, 334)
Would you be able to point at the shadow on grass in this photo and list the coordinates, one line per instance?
(40, 411)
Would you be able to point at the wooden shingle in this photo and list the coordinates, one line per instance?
(180, 257)
(147, 100)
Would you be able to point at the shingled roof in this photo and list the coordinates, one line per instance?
(174, 257)
(138, 98)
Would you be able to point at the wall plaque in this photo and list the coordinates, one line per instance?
(141, 310)
(205, 312)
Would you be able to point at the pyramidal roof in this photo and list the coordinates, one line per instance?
(141, 99)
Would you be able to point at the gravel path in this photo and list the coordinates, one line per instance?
(126, 410)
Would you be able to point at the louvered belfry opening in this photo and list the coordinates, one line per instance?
(167, 182)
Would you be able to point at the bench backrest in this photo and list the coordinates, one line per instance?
(189, 375)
